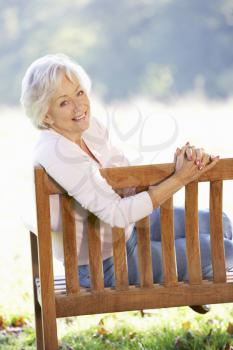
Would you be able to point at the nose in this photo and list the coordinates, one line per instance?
(77, 107)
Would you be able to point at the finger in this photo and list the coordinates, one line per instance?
(208, 161)
(189, 153)
(210, 165)
(212, 157)
(176, 154)
(184, 148)
(187, 145)
(175, 158)
(199, 156)
(187, 150)
(205, 159)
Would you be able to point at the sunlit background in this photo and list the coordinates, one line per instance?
(162, 75)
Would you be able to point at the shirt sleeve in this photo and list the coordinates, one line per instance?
(83, 181)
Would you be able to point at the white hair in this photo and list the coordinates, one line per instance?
(41, 80)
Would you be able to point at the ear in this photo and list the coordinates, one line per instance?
(48, 120)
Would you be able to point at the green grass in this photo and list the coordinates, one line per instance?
(165, 329)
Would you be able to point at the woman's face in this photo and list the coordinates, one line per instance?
(69, 109)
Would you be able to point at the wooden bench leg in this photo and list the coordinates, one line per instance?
(37, 307)
(49, 328)
(38, 323)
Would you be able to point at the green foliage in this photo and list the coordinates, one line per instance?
(166, 329)
(158, 48)
(18, 339)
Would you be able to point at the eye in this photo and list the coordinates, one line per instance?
(81, 92)
(64, 103)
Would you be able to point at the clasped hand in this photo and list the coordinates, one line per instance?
(191, 162)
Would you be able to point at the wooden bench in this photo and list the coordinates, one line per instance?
(72, 300)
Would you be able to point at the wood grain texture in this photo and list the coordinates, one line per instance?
(145, 175)
(216, 230)
(144, 252)
(119, 256)
(69, 244)
(124, 297)
(192, 233)
(168, 243)
(37, 307)
(46, 264)
(144, 298)
(95, 256)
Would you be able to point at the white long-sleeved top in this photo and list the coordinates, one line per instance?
(79, 175)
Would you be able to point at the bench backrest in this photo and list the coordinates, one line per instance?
(139, 177)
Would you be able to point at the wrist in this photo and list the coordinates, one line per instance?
(180, 178)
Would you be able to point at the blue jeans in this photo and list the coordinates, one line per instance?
(156, 250)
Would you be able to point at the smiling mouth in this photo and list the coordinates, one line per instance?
(81, 117)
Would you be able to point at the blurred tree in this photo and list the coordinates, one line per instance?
(162, 49)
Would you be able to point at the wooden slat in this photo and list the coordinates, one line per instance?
(223, 170)
(51, 186)
(145, 175)
(168, 244)
(144, 298)
(119, 256)
(192, 234)
(69, 243)
(35, 275)
(137, 175)
(46, 263)
(216, 228)
(144, 252)
(95, 257)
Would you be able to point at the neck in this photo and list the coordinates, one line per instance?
(80, 142)
(74, 138)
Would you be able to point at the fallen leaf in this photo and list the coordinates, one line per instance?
(18, 321)
(230, 328)
(102, 331)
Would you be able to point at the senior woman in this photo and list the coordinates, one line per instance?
(73, 145)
